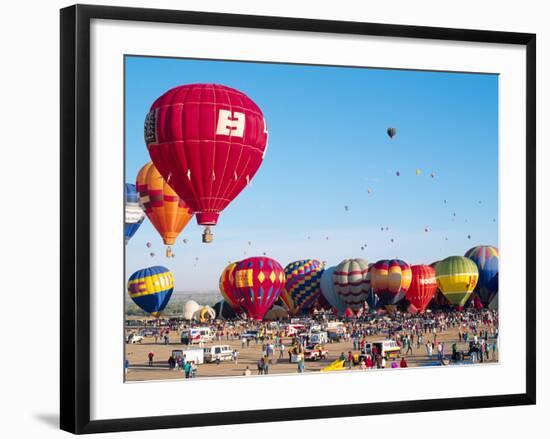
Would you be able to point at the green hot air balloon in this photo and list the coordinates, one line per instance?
(456, 278)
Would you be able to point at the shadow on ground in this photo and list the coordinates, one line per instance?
(49, 419)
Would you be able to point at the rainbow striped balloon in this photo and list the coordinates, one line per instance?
(151, 288)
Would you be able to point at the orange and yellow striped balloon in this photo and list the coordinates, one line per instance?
(167, 212)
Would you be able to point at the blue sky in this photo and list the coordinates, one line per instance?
(327, 147)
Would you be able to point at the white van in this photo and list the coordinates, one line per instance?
(197, 335)
(211, 353)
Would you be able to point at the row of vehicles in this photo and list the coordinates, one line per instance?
(208, 354)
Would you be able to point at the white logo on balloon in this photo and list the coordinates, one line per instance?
(230, 123)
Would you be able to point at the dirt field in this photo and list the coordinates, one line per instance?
(140, 371)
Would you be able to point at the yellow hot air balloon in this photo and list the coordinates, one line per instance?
(167, 212)
(456, 278)
(227, 287)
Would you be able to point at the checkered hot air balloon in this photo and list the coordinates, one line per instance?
(207, 141)
(151, 288)
(423, 287)
(258, 283)
(303, 285)
(456, 278)
(390, 280)
(486, 258)
(167, 212)
(133, 213)
(352, 283)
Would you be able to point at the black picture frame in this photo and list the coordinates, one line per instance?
(75, 217)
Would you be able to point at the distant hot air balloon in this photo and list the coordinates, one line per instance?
(227, 286)
(151, 288)
(328, 290)
(398, 173)
(418, 172)
(133, 213)
(167, 212)
(258, 283)
(486, 258)
(423, 286)
(391, 132)
(207, 141)
(456, 278)
(302, 285)
(148, 244)
(152, 254)
(390, 280)
(352, 282)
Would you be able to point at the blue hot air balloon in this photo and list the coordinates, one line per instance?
(134, 214)
(486, 258)
(151, 288)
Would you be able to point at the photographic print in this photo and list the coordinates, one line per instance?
(292, 218)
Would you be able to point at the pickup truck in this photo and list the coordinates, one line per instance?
(134, 338)
(315, 352)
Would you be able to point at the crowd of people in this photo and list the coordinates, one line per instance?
(475, 329)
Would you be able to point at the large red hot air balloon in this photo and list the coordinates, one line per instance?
(258, 283)
(207, 141)
(423, 287)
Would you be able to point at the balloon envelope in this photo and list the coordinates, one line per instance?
(167, 212)
(303, 285)
(207, 141)
(423, 287)
(133, 213)
(352, 283)
(224, 310)
(227, 286)
(151, 288)
(391, 280)
(486, 258)
(258, 283)
(329, 291)
(189, 309)
(456, 278)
